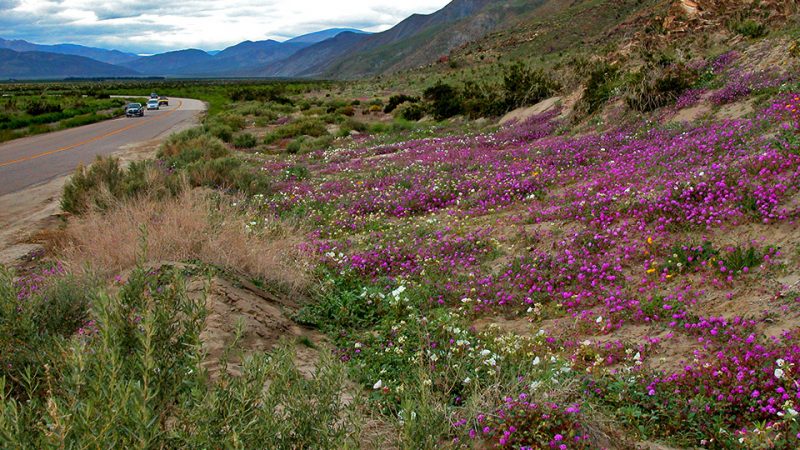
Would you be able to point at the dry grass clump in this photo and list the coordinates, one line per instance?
(191, 226)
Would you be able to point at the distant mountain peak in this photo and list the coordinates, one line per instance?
(324, 35)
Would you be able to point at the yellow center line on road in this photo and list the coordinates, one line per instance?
(94, 139)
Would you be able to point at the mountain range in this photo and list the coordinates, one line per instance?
(33, 65)
(338, 53)
(98, 54)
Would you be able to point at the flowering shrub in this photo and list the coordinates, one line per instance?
(521, 423)
(742, 84)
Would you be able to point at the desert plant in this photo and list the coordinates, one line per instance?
(749, 28)
(245, 140)
(411, 111)
(304, 127)
(654, 87)
(397, 100)
(444, 100)
(525, 86)
(221, 131)
(599, 87)
(104, 184)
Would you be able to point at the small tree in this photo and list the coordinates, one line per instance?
(445, 101)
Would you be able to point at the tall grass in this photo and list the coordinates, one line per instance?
(191, 226)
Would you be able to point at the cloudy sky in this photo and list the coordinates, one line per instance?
(150, 26)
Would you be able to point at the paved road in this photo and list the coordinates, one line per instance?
(33, 160)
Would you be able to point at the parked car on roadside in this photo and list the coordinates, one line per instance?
(134, 109)
(152, 104)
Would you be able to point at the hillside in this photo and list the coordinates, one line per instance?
(98, 54)
(355, 55)
(41, 65)
(423, 39)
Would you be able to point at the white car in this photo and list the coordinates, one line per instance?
(152, 104)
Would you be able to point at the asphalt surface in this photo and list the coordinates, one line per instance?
(33, 160)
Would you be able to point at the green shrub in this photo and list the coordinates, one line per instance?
(523, 86)
(397, 100)
(296, 145)
(104, 184)
(600, 87)
(750, 28)
(192, 157)
(245, 140)
(298, 173)
(40, 107)
(86, 187)
(685, 257)
(233, 120)
(348, 111)
(227, 172)
(354, 125)
(412, 112)
(396, 126)
(445, 101)
(742, 258)
(189, 146)
(482, 100)
(220, 131)
(304, 127)
(275, 93)
(655, 87)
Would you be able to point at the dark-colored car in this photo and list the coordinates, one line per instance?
(153, 95)
(134, 109)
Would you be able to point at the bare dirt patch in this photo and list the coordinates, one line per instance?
(521, 114)
(736, 110)
(265, 325)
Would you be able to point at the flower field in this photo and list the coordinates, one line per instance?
(594, 275)
(647, 273)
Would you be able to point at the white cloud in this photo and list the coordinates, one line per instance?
(149, 26)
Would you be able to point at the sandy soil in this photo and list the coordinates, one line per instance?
(266, 325)
(521, 114)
